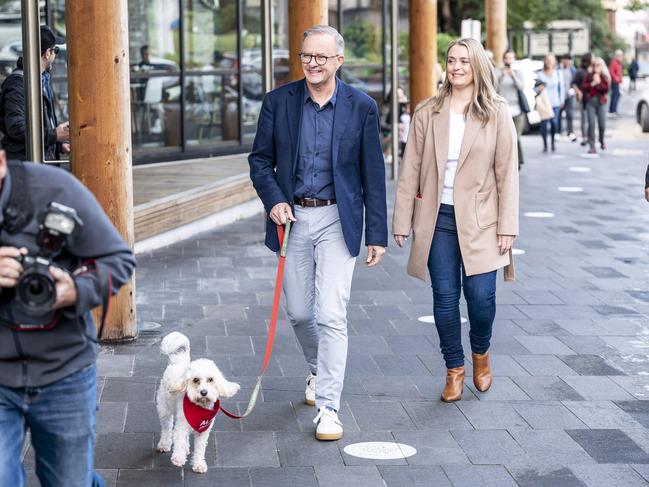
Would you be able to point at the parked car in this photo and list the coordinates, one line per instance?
(642, 111)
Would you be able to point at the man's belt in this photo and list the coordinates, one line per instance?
(313, 202)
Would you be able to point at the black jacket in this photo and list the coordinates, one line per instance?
(36, 358)
(12, 120)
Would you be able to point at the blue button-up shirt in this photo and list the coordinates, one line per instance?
(314, 160)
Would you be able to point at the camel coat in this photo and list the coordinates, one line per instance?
(485, 190)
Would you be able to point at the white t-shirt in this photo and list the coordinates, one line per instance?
(456, 134)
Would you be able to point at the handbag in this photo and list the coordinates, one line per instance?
(543, 106)
(522, 101)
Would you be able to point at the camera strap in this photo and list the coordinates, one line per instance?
(106, 292)
(19, 210)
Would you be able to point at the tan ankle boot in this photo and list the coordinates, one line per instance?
(481, 371)
(454, 382)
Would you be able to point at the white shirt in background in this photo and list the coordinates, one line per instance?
(456, 134)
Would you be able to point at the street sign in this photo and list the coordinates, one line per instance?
(560, 37)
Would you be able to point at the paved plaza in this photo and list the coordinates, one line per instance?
(569, 405)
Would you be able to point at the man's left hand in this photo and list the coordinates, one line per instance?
(374, 255)
(66, 291)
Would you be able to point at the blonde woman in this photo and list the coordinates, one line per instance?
(550, 80)
(458, 196)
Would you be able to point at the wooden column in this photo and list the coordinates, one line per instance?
(496, 20)
(100, 126)
(303, 14)
(423, 50)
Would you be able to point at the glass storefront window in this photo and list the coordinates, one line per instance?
(281, 74)
(155, 67)
(211, 72)
(251, 75)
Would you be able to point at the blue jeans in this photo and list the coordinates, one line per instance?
(554, 125)
(615, 97)
(61, 419)
(447, 278)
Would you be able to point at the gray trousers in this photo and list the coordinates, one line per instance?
(317, 286)
(596, 111)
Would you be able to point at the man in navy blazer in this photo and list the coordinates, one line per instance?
(317, 161)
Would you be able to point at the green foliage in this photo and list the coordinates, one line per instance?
(636, 5)
(443, 40)
(362, 38)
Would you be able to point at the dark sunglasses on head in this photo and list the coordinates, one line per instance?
(55, 49)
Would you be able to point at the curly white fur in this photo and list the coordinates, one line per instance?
(203, 383)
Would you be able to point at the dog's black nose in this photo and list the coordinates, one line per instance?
(203, 392)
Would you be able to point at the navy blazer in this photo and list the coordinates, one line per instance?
(357, 159)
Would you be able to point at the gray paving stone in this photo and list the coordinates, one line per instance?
(410, 344)
(303, 450)
(545, 345)
(590, 365)
(399, 365)
(547, 388)
(502, 389)
(550, 447)
(368, 344)
(246, 449)
(117, 389)
(544, 365)
(548, 415)
(585, 344)
(391, 388)
(361, 365)
(597, 388)
(546, 476)
(162, 477)
(492, 415)
(413, 476)
(271, 416)
(643, 470)
(541, 327)
(636, 386)
(229, 345)
(109, 476)
(601, 414)
(505, 365)
(638, 409)
(436, 415)
(539, 297)
(115, 365)
(111, 417)
(380, 415)
(434, 447)
(609, 446)
(608, 476)
(495, 447)
(334, 476)
(483, 475)
(124, 450)
(272, 477)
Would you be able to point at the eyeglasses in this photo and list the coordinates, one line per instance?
(320, 59)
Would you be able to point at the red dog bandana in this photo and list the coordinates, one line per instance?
(199, 418)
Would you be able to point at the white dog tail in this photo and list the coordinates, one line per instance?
(175, 345)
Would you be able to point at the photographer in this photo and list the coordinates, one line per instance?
(60, 257)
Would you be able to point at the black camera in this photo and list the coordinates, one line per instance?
(36, 289)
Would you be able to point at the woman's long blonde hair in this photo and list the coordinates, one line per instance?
(484, 101)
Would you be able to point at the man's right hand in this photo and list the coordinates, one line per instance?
(281, 212)
(63, 132)
(10, 268)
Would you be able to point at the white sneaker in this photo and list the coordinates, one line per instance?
(309, 393)
(329, 426)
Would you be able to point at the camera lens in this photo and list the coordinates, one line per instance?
(36, 290)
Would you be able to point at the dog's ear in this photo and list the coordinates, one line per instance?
(227, 389)
(178, 383)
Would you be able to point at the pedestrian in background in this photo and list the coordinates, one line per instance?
(317, 161)
(550, 80)
(634, 68)
(577, 82)
(595, 89)
(568, 73)
(510, 86)
(615, 69)
(463, 235)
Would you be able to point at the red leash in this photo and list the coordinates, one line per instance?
(283, 239)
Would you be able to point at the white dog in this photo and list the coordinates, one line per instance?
(190, 391)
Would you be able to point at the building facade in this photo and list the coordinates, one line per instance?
(196, 83)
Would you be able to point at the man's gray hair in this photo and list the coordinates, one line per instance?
(330, 31)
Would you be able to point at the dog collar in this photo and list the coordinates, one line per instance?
(199, 418)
